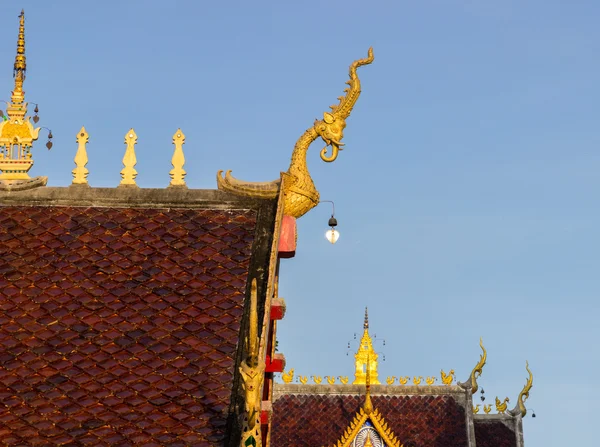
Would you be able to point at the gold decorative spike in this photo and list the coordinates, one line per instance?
(330, 379)
(300, 192)
(252, 372)
(404, 380)
(366, 351)
(476, 409)
(390, 380)
(417, 380)
(80, 172)
(501, 406)
(17, 134)
(487, 408)
(128, 173)
(368, 405)
(317, 379)
(289, 376)
(303, 379)
(178, 160)
(430, 380)
(343, 379)
(447, 379)
(524, 394)
(478, 368)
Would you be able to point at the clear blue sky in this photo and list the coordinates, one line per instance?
(467, 195)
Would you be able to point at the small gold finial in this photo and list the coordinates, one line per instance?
(128, 173)
(403, 380)
(177, 173)
(343, 379)
(303, 379)
(288, 377)
(430, 380)
(317, 379)
(20, 66)
(417, 380)
(447, 378)
(330, 379)
(366, 357)
(80, 172)
(501, 406)
(476, 408)
(487, 408)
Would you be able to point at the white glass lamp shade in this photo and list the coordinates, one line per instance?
(332, 235)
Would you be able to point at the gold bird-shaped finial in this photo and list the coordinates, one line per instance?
(430, 380)
(476, 409)
(289, 376)
(317, 379)
(447, 378)
(303, 379)
(487, 408)
(390, 380)
(343, 379)
(330, 379)
(501, 406)
(403, 380)
(417, 380)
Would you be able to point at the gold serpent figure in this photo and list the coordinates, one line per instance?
(300, 192)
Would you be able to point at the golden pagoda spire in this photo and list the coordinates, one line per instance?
(366, 358)
(17, 134)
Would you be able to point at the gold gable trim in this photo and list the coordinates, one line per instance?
(379, 423)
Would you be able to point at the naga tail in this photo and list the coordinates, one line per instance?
(263, 190)
(347, 102)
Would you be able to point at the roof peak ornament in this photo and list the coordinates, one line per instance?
(366, 358)
(17, 134)
(300, 192)
(472, 382)
(523, 395)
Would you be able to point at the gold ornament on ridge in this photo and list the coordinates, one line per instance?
(299, 189)
(343, 379)
(524, 394)
(80, 172)
(366, 357)
(303, 379)
(430, 380)
(289, 376)
(177, 173)
(390, 380)
(476, 409)
(447, 378)
(501, 406)
(478, 368)
(417, 380)
(128, 173)
(330, 379)
(404, 380)
(487, 408)
(317, 379)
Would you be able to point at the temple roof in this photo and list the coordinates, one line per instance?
(497, 431)
(318, 415)
(123, 311)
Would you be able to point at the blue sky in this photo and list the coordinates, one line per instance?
(467, 194)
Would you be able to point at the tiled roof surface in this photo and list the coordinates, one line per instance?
(310, 420)
(119, 327)
(494, 434)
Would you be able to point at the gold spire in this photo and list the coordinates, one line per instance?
(16, 132)
(20, 63)
(368, 405)
(366, 358)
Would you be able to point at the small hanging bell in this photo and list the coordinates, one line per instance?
(36, 119)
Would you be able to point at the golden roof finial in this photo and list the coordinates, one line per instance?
(524, 394)
(20, 63)
(366, 358)
(128, 173)
(80, 172)
(477, 370)
(178, 173)
(17, 134)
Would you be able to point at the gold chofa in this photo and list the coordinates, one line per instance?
(17, 134)
(524, 394)
(299, 190)
(366, 358)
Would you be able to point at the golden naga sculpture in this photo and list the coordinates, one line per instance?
(523, 395)
(17, 134)
(252, 372)
(289, 376)
(477, 370)
(300, 192)
(447, 378)
(501, 406)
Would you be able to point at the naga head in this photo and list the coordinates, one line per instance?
(331, 127)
